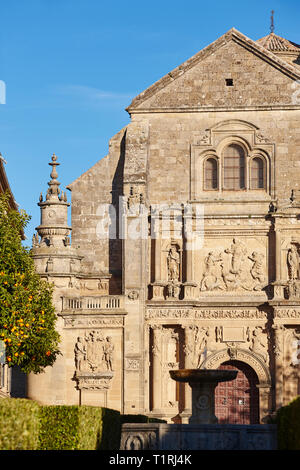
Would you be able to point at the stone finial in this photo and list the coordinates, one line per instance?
(53, 190)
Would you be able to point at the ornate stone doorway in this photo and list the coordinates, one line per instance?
(237, 401)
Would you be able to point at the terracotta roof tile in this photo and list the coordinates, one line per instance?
(275, 43)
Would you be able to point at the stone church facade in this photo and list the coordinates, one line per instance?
(185, 243)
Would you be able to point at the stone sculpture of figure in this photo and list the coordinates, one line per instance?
(237, 250)
(201, 346)
(293, 262)
(173, 264)
(258, 346)
(108, 350)
(80, 354)
(257, 270)
(210, 278)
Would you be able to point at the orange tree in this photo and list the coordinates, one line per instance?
(27, 316)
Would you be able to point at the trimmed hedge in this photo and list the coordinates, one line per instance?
(27, 425)
(20, 424)
(288, 426)
(79, 428)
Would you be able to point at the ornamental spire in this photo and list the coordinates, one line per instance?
(53, 190)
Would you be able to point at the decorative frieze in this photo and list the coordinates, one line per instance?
(84, 321)
(196, 313)
(287, 313)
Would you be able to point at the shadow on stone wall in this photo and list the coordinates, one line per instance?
(18, 383)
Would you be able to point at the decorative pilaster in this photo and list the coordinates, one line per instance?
(189, 350)
(278, 352)
(156, 368)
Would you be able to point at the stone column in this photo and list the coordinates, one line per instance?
(156, 368)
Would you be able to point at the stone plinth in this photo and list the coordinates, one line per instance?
(160, 436)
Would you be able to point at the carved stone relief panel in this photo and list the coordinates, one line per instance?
(94, 360)
(232, 265)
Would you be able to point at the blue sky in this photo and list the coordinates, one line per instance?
(71, 67)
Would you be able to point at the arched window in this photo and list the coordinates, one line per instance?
(210, 174)
(257, 176)
(234, 167)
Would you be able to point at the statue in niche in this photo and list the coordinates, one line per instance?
(210, 279)
(80, 354)
(173, 261)
(257, 270)
(108, 351)
(258, 346)
(293, 263)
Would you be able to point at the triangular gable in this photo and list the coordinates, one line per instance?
(232, 35)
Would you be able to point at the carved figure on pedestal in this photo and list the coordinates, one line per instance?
(108, 351)
(80, 354)
(293, 263)
(173, 261)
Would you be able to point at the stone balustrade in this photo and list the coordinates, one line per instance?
(105, 302)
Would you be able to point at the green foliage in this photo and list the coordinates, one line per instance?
(288, 426)
(111, 430)
(27, 316)
(79, 428)
(27, 425)
(19, 428)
